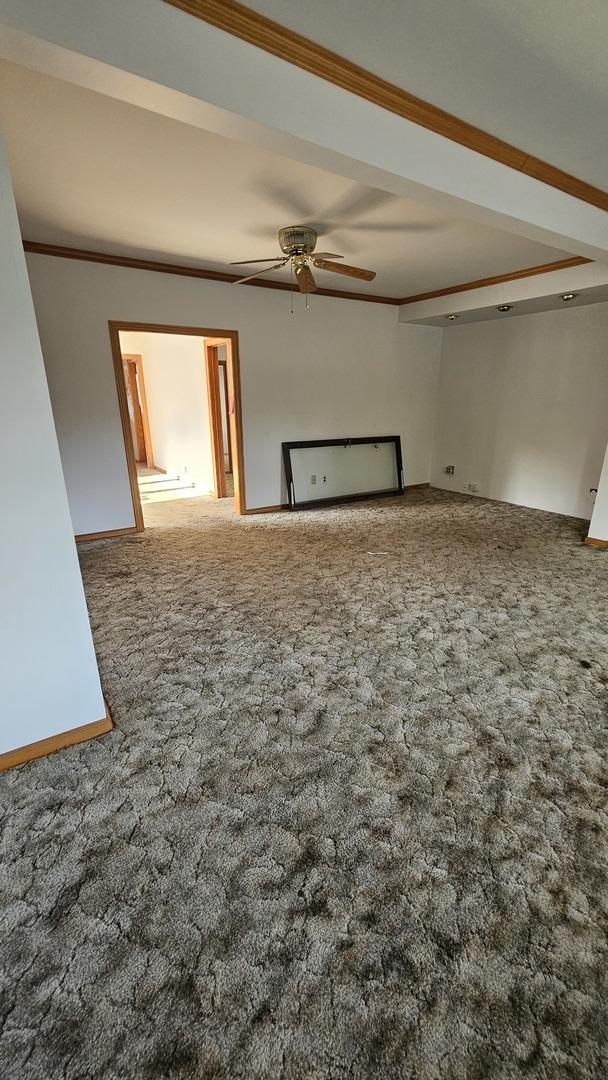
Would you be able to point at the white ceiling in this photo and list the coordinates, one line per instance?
(532, 72)
(91, 171)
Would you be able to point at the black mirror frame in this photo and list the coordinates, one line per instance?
(373, 439)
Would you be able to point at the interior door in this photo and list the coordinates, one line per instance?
(135, 411)
(215, 419)
(225, 408)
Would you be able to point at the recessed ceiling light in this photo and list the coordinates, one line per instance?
(569, 296)
(451, 317)
(504, 307)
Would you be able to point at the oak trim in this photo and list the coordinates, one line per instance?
(498, 279)
(268, 509)
(84, 255)
(106, 534)
(43, 747)
(272, 37)
(285, 506)
(194, 271)
(235, 420)
(215, 420)
(139, 445)
(591, 540)
(223, 374)
(137, 359)
(121, 391)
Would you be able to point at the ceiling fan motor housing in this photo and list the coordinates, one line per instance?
(297, 240)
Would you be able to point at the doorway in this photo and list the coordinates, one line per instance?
(218, 472)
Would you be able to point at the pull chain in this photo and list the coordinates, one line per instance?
(292, 268)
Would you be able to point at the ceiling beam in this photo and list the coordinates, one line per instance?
(498, 279)
(489, 294)
(265, 33)
(157, 57)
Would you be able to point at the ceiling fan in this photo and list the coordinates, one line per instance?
(298, 244)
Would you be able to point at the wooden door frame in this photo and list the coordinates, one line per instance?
(137, 360)
(137, 420)
(223, 364)
(212, 369)
(228, 337)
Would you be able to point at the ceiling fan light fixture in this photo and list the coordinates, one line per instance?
(298, 243)
(297, 240)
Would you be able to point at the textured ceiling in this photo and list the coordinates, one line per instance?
(91, 171)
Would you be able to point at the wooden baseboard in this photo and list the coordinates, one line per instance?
(267, 509)
(44, 747)
(285, 506)
(596, 543)
(107, 534)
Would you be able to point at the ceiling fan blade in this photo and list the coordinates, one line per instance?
(327, 255)
(344, 268)
(289, 198)
(359, 200)
(266, 270)
(249, 262)
(305, 280)
(387, 226)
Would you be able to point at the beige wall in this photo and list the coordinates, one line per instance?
(341, 368)
(523, 408)
(48, 672)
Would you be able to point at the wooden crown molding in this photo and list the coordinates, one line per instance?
(85, 255)
(250, 26)
(190, 271)
(499, 279)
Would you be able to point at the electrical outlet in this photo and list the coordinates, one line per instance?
(449, 469)
(324, 479)
(313, 479)
(473, 487)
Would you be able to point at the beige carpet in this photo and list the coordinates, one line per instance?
(352, 821)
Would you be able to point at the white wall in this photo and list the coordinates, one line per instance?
(48, 672)
(523, 408)
(598, 529)
(176, 395)
(341, 368)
